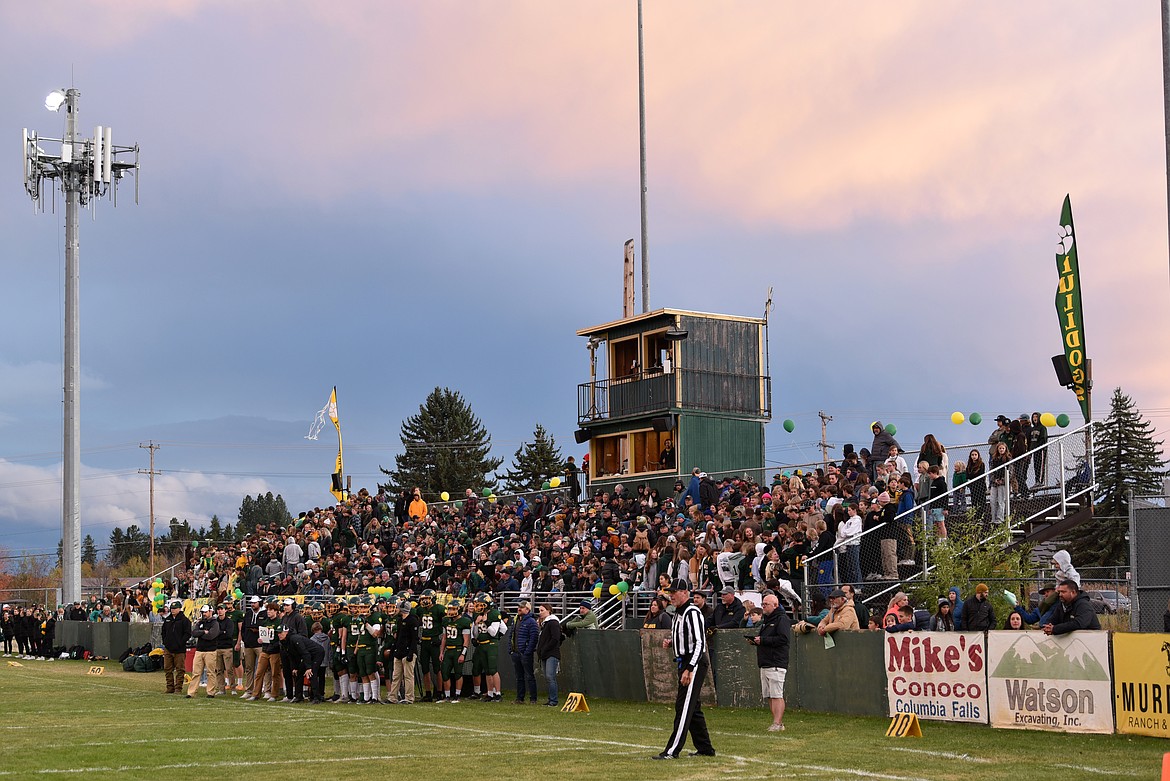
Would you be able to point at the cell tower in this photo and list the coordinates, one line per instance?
(87, 169)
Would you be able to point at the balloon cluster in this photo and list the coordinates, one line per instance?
(1047, 419)
(618, 589)
(380, 591)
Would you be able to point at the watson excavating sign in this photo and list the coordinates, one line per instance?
(1058, 683)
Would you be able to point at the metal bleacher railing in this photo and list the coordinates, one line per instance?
(1068, 479)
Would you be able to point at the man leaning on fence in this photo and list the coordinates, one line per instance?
(176, 630)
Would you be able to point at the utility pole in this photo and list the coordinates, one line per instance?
(825, 446)
(151, 447)
(87, 170)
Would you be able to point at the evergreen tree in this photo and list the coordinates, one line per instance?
(445, 448)
(534, 463)
(1127, 458)
(89, 551)
(214, 533)
(267, 510)
(115, 555)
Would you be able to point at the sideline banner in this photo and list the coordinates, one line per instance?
(937, 675)
(1141, 675)
(1059, 683)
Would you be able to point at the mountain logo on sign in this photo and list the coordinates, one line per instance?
(1042, 657)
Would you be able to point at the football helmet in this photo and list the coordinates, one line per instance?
(427, 598)
(454, 608)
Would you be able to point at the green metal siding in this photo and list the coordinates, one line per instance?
(730, 346)
(719, 444)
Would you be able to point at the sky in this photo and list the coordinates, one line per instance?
(390, 196)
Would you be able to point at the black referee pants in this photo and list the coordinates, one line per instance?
(688, 716)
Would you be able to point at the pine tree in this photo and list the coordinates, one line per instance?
(214, 533)
(116, 554)
(533, 464)
(267, 510)
(445, 448)
(1127, 458)
(89, 551)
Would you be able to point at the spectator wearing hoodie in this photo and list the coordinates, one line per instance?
(548, 650)
(879, 451)
(1062, 563)
(955, 597)
(943, 619)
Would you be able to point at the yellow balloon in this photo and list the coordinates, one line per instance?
(1048, 420)
(444, 496)
(555, 482)
(957, 418)
(597, 593)
(492, 498)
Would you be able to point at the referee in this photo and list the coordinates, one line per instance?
(689, 638)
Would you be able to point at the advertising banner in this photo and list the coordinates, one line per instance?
(1059, 683)
(937, 675)
(1141, 679)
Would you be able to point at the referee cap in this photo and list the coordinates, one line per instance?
(679, 584)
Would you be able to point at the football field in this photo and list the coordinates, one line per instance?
(57, 720)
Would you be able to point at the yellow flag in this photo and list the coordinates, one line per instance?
(338, 487)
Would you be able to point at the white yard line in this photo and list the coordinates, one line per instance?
(945, 754)
(1101, 770)
(189, 765)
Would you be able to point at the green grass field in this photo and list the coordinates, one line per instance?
(58, 720)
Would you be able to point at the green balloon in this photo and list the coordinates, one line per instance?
(975, 418)
(789, 425)
(623, 586)
(891, 429)
(1062, 420)
(545, 485)
(459, 505)
(487, 492)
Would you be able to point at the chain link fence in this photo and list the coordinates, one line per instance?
(1149, 540)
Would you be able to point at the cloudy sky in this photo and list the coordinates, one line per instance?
(390, 196)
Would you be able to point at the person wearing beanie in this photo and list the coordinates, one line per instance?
(978, 615)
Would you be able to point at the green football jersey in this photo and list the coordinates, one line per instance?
(482, 637)
(339, 621)
(454, 630)
(430, 622)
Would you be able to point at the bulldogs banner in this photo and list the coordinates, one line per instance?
(1059, 683)
(937, 675)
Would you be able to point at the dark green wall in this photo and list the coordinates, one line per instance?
(719, 444)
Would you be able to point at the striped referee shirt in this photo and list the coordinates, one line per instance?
(688, 636)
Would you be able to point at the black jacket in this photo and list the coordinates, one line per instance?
(775, 636)
(978, 615)
(548, 645)
(295, 623)
(206, 633)
(406, 640)
(228, 634)
(250, 628)
(303, 653)
(726, 617)
(176, 630)
(1068, 618)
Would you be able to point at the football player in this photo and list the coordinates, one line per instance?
(339, 629)
(456, 642)
(430, 632)
(486, 632)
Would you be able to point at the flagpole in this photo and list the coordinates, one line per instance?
(1166, 94)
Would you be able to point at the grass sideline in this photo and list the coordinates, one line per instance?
(58, 720)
